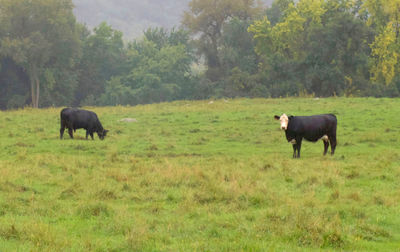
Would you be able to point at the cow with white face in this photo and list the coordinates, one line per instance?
(284, 119)
(311, 128)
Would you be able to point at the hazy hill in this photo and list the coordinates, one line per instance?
(131, 16)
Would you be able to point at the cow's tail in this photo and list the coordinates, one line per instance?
(64, 118)
(334, 129)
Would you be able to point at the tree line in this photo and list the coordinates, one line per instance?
(223, 48)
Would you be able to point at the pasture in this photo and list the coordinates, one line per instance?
(202, 176)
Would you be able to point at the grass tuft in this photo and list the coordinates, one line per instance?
(93, 210)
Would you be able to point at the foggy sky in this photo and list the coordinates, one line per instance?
(132, 17)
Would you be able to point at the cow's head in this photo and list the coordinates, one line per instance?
(284, 119)
(102, 134)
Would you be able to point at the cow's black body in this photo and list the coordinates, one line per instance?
(74, 119)
(312, 128)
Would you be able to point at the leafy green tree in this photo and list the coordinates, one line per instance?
(205, 20)
(237, 47)
(281, 44)
(103, 57)
(14, 85)
(318, 47)
(239, 62)
(384, 16)
(337, 56)
(277, 10)
(164, 37)
(40, 36)
(159, 70)
(287, 37)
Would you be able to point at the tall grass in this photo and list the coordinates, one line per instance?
(199, 176)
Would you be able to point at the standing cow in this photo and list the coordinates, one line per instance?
(74, 119)
(311, 128)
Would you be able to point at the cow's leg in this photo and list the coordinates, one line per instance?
(332, 140)
(298, 146)
(70, 133)
(87, 134)
(62, 129)
(294, 150)
(91, 135)
(326, 145)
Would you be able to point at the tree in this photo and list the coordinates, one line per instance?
(318, 47)
(205, 20)
(281, 45)
(38, 35)
(337, 56)
(159, 70)
(384, 16)
(239, 62)
(287, 37)
(103, 57)
(13, 85)
(277, 10)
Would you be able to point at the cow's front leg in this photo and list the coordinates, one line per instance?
(294, 150)
(62, 132)
(298, 143)
(295, 147)
(70, 133)
(91, 135)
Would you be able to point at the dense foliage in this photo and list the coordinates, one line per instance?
(223, 49)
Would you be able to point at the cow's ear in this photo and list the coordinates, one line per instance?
(290, 117)
(277, 117)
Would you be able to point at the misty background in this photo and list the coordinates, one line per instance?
(132, 17)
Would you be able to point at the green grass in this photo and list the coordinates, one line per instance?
(197, 176)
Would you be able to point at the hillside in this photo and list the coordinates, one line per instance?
(131, 16)
(201, 176)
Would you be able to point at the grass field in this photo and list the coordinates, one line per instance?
(195, 176)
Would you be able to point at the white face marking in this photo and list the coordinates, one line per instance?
(284, 121)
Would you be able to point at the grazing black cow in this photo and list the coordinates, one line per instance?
(311, 128)
(74, 119)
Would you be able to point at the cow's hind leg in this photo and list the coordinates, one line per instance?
(326, 145)
(91, 135)
(298, 146)
(332, 140)
(62, 129)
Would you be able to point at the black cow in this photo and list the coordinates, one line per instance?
(311, 128)
(74, 119)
